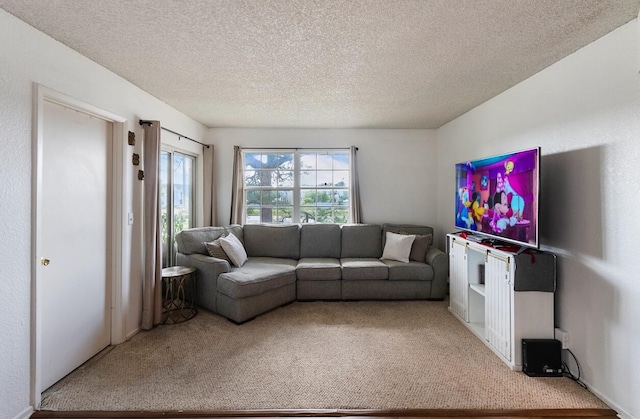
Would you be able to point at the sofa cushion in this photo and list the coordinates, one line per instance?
(277, 241)
(318, 269)
(363, 268)
(412, 271)
(407, 229)
(193, 240)
(257, 276)
(418, 250)
(320, 241)
(361, 241)
(237, 230)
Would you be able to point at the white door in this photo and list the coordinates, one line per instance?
(498, 304)
(73, 275)
(458, 277)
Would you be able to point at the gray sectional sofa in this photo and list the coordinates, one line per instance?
(307, 262)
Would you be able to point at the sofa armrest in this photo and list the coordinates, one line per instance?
(207, 270)
(206, 262)
(440, 264)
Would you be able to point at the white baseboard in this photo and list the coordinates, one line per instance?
(25, 414)
(623, 414)
(133, 333)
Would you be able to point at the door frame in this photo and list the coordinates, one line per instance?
(116, 261)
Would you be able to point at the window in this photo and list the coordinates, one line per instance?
(177, 199)
(297, 186)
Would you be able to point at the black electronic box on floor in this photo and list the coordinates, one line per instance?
(542, 357)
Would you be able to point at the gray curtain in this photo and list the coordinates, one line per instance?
(237, 188)
(356, 206)
(209, 187)
(152, 287)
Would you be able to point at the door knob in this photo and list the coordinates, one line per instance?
(44, 261)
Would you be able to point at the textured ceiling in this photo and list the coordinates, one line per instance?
(325, 63)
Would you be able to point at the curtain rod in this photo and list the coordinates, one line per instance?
(180, 136)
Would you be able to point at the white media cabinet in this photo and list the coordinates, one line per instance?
(497, 294)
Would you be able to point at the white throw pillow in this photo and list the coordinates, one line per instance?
(398, 247)
(234, 249)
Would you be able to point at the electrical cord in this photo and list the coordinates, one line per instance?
(567, 371)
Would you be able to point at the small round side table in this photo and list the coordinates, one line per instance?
(179, 292)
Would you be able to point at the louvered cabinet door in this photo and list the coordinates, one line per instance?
(498, 304)
(458, 278)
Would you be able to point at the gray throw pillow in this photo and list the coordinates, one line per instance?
(215, 250)
(420, 247)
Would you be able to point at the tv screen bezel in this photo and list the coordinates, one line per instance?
(536, 199)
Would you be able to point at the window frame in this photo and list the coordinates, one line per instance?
(296, 189)
(169, 259)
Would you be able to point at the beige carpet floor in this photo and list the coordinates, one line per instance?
(317, 355)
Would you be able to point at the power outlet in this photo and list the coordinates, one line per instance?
(563, 337)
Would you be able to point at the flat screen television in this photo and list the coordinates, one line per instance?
(497, 197)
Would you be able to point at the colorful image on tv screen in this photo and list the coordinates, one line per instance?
(498, 196)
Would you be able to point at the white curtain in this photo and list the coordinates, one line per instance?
(356, 207)
(209, 183)
(152, 287)
(237, 188)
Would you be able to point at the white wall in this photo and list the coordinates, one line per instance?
(397, 168)
(584, 112)
(28, 56)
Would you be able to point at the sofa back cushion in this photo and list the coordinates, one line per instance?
(193, 240)
(320, 241)
(237, 230)
(277, 241)
(361, 241)
(422, 242)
